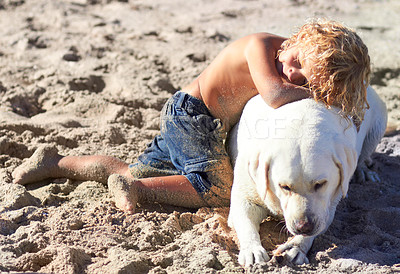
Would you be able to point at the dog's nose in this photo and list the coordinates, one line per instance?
(304, 226)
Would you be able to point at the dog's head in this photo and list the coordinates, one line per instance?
(304, 183)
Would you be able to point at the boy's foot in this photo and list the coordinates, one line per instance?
(38, 167)
(124, 191)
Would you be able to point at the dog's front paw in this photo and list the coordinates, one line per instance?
(251, 255)
(291, 253)
(295, 250)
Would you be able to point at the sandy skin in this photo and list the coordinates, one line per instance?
(46, 163)
(124, 192)
(40, 166)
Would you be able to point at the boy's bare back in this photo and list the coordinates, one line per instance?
(243, 69)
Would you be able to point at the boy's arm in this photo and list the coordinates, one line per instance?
(261, 57)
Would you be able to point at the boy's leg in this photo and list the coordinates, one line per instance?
(173, 190)
(46, 163)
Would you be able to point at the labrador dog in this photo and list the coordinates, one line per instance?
(296, 162)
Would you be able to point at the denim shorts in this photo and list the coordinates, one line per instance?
(191, 143)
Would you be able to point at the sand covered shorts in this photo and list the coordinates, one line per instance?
(191, 143)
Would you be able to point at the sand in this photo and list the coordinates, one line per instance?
(90, 77)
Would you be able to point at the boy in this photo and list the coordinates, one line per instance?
(187, 164)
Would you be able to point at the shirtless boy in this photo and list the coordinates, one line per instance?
(187, 164)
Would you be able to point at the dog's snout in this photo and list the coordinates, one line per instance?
(304, 226)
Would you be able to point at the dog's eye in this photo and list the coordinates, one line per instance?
(318, 186)
(285, 187)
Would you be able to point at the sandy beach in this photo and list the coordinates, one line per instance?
(91, 76)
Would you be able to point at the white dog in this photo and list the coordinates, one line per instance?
(296, 161)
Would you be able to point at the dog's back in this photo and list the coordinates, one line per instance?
(260, 121)
(262, 125)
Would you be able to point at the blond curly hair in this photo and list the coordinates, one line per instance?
(341, 65)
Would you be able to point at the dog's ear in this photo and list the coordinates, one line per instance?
(258, 171)
(345, 159)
